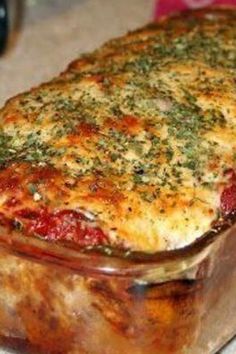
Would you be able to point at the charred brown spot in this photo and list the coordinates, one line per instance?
(80, 64)
(128, 124)
(11, 118)
(105, 191)
(82, 130)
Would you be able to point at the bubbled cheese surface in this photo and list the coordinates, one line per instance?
(139, 133)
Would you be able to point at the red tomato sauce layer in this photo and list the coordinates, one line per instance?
(68, 225)
(228, 199)
(228, 196)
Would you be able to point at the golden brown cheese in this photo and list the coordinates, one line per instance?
(139, 135)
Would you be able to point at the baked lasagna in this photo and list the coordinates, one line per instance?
(132, 148)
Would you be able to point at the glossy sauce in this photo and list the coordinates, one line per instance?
(66, 225)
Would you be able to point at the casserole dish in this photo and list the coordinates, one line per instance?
(57, 300)
(118, 197)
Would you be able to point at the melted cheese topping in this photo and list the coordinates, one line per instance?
(137, 134)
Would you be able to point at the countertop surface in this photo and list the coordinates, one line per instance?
(55, 32)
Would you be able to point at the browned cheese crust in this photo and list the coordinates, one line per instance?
(138, 136)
